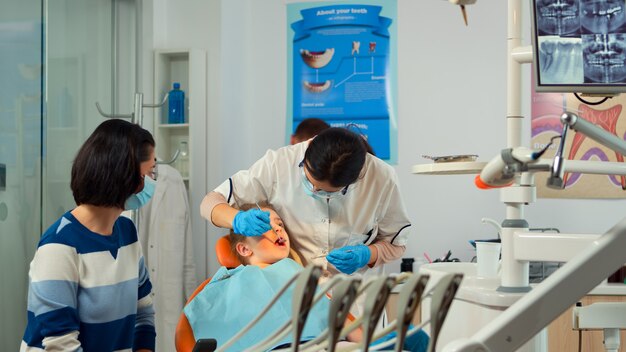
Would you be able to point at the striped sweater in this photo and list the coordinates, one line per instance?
(89, 292)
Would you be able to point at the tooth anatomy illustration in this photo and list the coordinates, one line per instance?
(317, 87)
(606, 119)
(355, 47)
(317, 59)
(372, 47)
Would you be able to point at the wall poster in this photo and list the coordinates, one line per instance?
(546, 111)
(342, 68)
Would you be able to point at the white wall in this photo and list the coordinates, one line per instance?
(452, 100)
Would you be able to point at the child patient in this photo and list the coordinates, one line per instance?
(234, 297)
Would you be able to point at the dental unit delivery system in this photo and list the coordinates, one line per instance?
(345, 290)
(537, 308)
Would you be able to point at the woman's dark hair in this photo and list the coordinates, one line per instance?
(106, 170)
(336, 156)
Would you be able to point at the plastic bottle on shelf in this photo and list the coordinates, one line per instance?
(182, 162)
(176, 105)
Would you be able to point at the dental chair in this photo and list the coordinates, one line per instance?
(184, 338)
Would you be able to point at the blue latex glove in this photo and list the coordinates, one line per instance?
(253, 222)
(349, 259)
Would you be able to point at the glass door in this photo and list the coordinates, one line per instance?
(78, 56)
(20, 159)
(55, 63)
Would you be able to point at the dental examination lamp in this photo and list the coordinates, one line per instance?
(502, 170)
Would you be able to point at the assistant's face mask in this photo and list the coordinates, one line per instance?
(138, 200)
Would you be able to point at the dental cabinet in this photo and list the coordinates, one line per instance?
(561, 336)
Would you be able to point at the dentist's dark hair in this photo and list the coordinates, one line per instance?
(106, 169)
(336, 156)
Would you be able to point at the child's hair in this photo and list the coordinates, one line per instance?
(236, 238)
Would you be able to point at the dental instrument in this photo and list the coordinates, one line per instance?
(375, 300)
(462, 4)
(464, 13)
(305, 283)
(441, 297)
(320, 343)
(344, 295)
(282, 331)
(409, 300)
(324, 255)
(339, 310)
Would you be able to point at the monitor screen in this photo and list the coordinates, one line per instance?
(579, 45)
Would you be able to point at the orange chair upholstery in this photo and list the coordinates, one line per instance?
(184, 339)
(225, 255)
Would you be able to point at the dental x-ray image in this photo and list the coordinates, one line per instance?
(580, 44)
(602, 16)
(604, 57)
(558, 17)
(560, 60)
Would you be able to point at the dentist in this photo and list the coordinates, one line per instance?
(342, 204)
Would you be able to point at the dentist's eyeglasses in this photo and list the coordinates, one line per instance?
(316, 191)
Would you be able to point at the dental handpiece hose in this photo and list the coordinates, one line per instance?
(555, 180)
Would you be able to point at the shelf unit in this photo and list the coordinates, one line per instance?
(189, 68)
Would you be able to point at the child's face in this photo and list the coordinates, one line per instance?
(268, 249)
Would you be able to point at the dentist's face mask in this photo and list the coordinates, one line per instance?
(312, 191)
(138, 200)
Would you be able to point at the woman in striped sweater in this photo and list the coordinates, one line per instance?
(89, 289)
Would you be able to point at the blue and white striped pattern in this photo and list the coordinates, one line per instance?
(89, 292)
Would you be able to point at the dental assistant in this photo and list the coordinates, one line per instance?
(342, 204)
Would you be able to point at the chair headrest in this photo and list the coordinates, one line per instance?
(227, 258)
(225, 255)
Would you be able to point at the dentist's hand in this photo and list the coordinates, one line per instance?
(253, 222)
(349, 259)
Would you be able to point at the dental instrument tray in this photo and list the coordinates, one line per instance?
(452, 158)
(450, 165)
